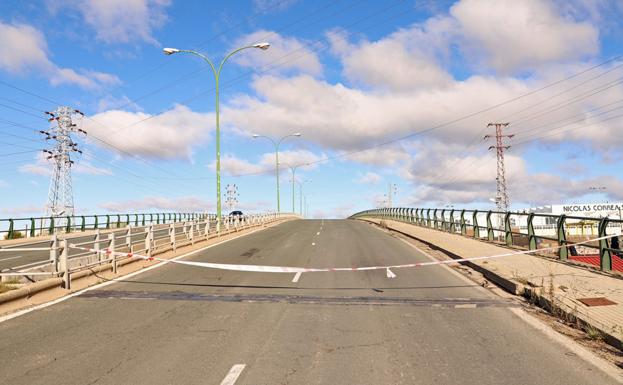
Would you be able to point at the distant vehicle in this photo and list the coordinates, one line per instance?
(236, 214)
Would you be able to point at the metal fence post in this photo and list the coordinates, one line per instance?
(111, 250)
(108, 221)
(508, 235)
(490, 233)
(52, 227)
(531, 236)
(463, 223)
(83, 224)
(65, 266)
(68, 227)
(476, 225)
(452, 224)
(563, 251)
(32, 227)
(10, 232)
(605, 257)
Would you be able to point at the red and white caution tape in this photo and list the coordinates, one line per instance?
(296, 270)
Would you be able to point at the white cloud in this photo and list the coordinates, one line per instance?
(187, 203)
(232, 165)
(369, 178)
(284, 54)
(170, 135)
(43, 167)
(405, 60)
(118, 21)
(29, 54)
(511, 35)
(266, 6)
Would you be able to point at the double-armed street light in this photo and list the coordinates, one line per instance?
(217, 74)
(301, 194)
(293, 169)
(276, 144)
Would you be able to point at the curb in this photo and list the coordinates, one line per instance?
(514, 287)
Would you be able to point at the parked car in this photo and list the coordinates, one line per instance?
(235, 214)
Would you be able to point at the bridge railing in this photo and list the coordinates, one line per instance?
(59, 259)
(12, 228)
(531, 231)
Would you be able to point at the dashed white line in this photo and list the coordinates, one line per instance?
(234, 373)
(296, 277)
(318, 233)
(313, 243)
(6, 259)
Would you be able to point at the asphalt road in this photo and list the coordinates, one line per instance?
(188, 325)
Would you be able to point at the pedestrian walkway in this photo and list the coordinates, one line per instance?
(568, 285)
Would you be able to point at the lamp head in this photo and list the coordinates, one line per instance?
(263, 46)
(255, 136)
(297, 134)
(170, 51)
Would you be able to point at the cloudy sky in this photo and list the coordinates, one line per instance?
(383, 92)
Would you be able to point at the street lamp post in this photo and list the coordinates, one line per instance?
(217, 74)
(277, 144)
(301, 194)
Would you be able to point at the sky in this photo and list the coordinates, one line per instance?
(384, 93)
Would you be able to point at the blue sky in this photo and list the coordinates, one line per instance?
(350, 76)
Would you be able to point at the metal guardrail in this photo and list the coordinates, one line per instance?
(145, 240)
(12, 228)
(510, 228)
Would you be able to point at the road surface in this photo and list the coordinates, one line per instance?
(187, 325)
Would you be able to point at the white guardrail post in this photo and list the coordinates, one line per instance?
(54, 253)
(96, 246)
(207, 228)
(111, 248)
(148, 239)
(172, 236)
(65, 265)
(128, 237)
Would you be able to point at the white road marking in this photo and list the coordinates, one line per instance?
(6, 259)
(297, 276)
(313, 243)
(103, 284)
(318, 233)
(465, 306)
(234, 373)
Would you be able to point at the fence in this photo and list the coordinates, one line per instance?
(526, 230)
(12, 228)
(58, 259)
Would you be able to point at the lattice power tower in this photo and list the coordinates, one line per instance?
(60, 197)
(501, 198)
(231, 196)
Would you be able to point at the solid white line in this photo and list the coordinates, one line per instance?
(297, 276)
(6, 259)
(234, 373)
(114, 280)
